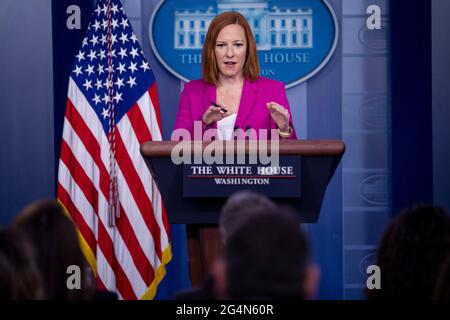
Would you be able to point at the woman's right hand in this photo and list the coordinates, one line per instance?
(213, 114)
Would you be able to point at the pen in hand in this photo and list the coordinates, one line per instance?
(222, 109)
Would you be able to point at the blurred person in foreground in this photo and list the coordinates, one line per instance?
(442, 286)
(55, 245)
(411, 253)
(19, 276)
(268, 257)
(237, 210)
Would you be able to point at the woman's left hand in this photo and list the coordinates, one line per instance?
(280, 115)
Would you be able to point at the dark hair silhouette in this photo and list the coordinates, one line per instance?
(19, 277)
(267, 258)
(411, 252)
(442, 287)
(239, 208)
(55, 245)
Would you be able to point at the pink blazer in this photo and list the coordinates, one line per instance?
(253, 113)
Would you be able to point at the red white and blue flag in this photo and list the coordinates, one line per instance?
(103, 181)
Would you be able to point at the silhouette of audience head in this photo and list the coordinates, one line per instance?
(19, 277)
(267, 258)
(411, 253)
(442, 287)
(55, 247)
(239, 208)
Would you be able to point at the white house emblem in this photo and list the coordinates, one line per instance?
(294, 42)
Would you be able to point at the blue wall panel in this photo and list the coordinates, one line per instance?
(441, 101)
(26, 91)
(365, 130)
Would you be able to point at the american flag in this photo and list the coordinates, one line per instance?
(112, 108)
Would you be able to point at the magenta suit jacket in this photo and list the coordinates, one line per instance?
(197, 96)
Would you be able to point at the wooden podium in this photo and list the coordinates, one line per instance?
(196, 200)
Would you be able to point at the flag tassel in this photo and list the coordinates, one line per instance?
(114, 205)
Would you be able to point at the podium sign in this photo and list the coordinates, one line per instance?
(222, 180)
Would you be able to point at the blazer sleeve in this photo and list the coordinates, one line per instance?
(185, 118)
(281, 98)
(184, 114)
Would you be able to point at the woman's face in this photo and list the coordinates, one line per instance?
(230, 50)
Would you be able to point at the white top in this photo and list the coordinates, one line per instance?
(225, 127)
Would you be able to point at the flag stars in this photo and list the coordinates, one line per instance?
(132, 67)
(94, 40)
(100, 69)
(134, 52)
(132, 81)
(102, 54)
(118, 97)
(119, 83)
(98, 84)
(112, 53)
(96, 25)
(105, 113)
(98, 10)
(105, 54)
(115, 9)
(113, 39)
(108, 84)
(145, 66)
(96, 99)
(123, 53)
(124, 23)
(80, 56)
(123, 38)
(106, 98)
(77, 71)
(121, 68)
(103, 40)
(92, 55)
(114, 24)
(87, 84)
(89, 69)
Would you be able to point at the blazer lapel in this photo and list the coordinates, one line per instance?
(247, 103)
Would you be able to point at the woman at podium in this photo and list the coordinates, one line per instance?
(231, 95)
